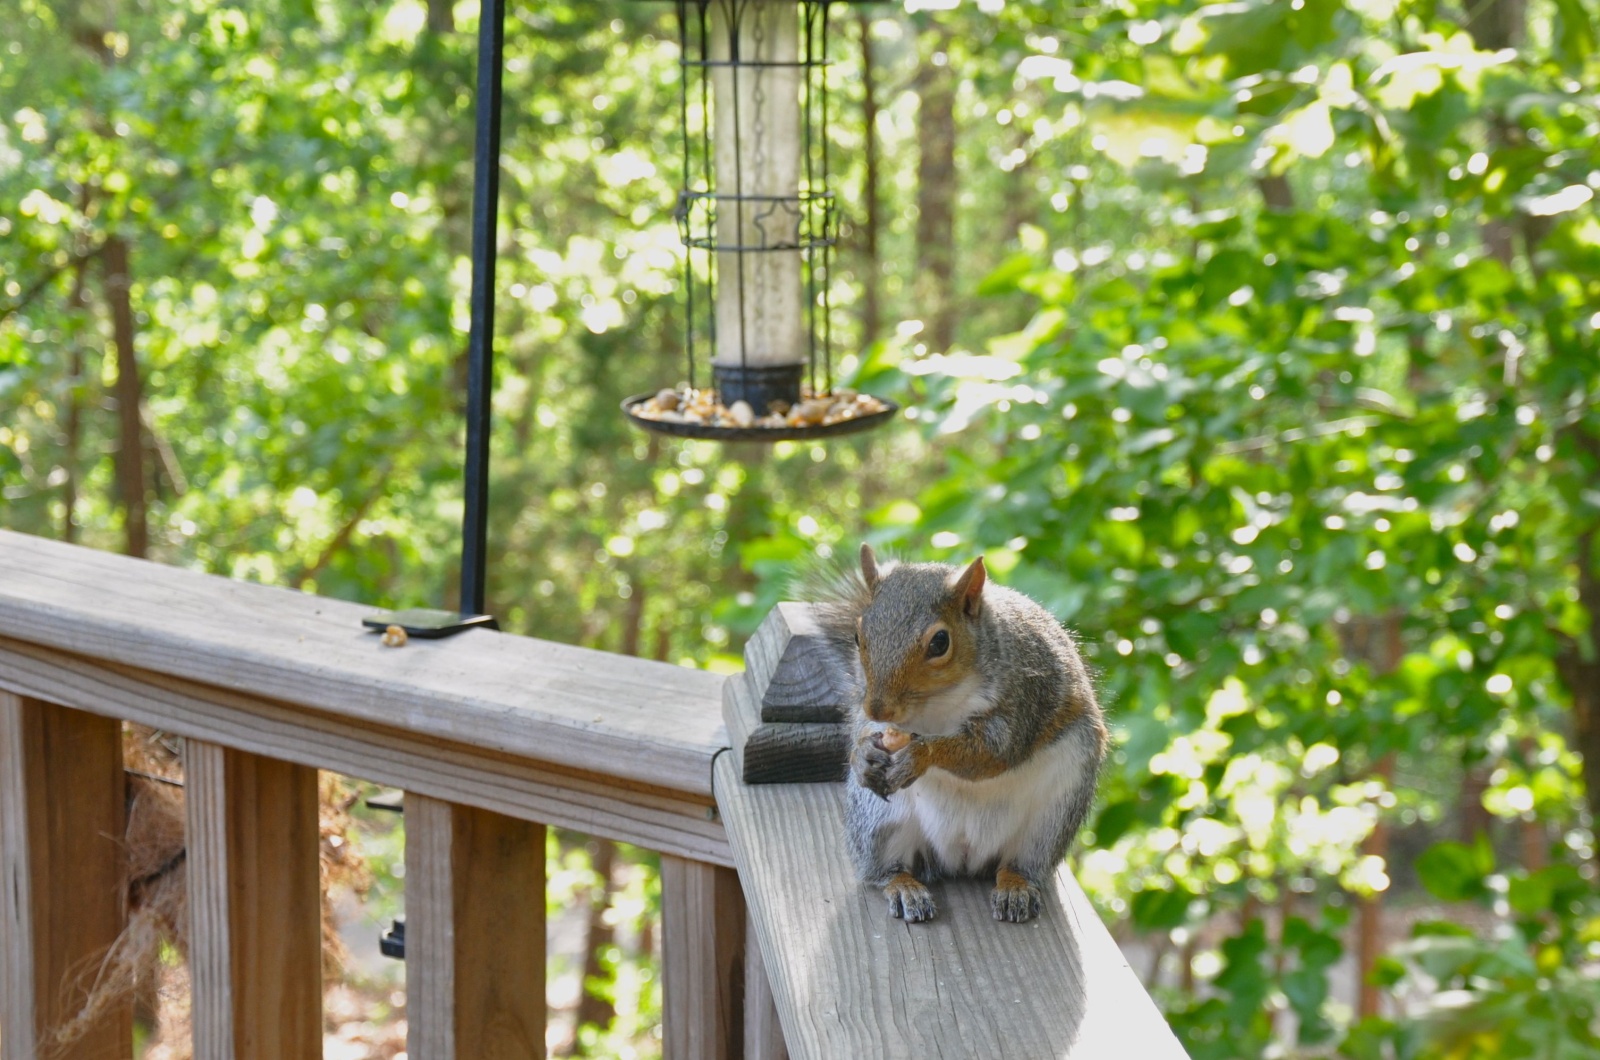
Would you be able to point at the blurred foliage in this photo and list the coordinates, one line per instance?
(1275, 378)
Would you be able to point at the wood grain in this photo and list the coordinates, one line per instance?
(475, 969)
(210, 927)
(675, 822)
(640, 720)
(780, 752)
(430, 930)
(62, 798)
(255, 905)
(763, 1034)
(851, 981)
(799, 678)
(702, 961)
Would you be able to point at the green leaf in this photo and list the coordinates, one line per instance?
(1455, 871)
(1114, 822)
(1156, 910)
(1004, 278)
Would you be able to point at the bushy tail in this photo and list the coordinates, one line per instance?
(838, 595)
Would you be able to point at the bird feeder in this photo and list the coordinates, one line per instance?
(758, 223)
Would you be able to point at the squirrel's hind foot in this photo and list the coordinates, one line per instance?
(1014, 899)
(909, 899)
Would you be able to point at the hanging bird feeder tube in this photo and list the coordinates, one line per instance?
(758, 223)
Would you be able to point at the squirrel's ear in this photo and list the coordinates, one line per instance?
(869, 566)
(969, 587)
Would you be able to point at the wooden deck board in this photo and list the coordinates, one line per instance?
(633, 718)
(851, 981)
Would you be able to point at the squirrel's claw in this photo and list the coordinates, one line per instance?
(1014, 899)
(909, 899)
(873, 770)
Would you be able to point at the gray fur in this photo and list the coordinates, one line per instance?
(1030, 671)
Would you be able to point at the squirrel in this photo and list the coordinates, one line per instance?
(1006, 737)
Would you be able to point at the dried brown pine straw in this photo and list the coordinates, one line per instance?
(158, 893)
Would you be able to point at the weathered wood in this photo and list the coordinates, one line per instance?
(851, 981)
(702, 961)
(797, 676)
(255, 905)
(673, 822)
(763, 1035)
(62, 798)
(430, 930)
(635, 719)
(475, 933)
(780, 752)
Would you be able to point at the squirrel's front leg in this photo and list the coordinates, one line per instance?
(965, 754)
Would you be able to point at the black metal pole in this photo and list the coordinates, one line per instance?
(480, 349)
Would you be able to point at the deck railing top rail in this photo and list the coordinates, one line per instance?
(636, 720)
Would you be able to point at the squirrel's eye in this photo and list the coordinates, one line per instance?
(939, 644)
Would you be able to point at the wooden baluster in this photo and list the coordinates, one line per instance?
(475, 933)
(255, 908)
(702, 961)
(62, 807)
(763, 1036)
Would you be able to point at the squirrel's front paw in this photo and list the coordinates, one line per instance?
(1014, 899)
(909, 899)
(902, 770)
(872, 769)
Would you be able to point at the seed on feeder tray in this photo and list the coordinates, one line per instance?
(701, 407)
(394, 637)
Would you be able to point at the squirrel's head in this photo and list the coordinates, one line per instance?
(918, 636)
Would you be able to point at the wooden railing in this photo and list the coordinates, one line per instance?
(492, 737)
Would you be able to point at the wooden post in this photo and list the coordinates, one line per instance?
(255, 909)
(702, 961)
(475, 933)
(62, 794)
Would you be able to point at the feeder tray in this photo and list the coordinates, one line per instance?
(786, 433)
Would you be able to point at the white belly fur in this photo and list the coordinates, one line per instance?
(963, 826)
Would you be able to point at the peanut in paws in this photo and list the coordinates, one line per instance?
(893, 740)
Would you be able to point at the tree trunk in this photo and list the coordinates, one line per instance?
(1377, 642)
(129, 394)
(1582, 678)
(441, 16)
(1578, 663)
(1471, 817)
(871, 272)
(78, 303)
(633, 618)
(936, 194)
(1276, 193)
(593, 1009)
(1369, 916)
(1494, 25)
